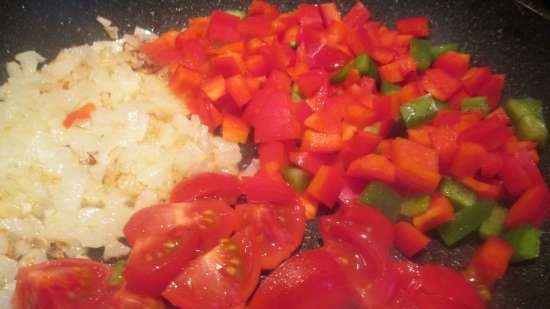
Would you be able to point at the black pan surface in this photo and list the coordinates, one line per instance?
(502, 34)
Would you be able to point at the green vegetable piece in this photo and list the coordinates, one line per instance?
(415, 206)
(457, 193)
(239, 13)
(117, 277)
(366, 66)
(373, 128)
(465, 222)
(293, 44)
(526, 114)
(526, 242)
(341, 75)
(421, 52)
(475, 104)
(295, 94)
(493, 225)
(387, 88)
(418, 111)
(439, 50)
(381, 196)
(297, 178)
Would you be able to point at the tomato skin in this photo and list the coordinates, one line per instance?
(61, 284)
(216, 218)
(156, 260)
(221, 186)
(281, 229)
(262, 188)
(222, 278)
(309, 280)
(124, 299)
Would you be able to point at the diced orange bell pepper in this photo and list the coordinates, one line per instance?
(404, 150)
(235, 129)
(360, 144)
(348, 131)
(324, 122)
(359, 115)
(82, 113)
(416, 177)
(321, 142)
(408, 239)
(326, 184)
(439, 212)
(491, 260)
(238, 89)
(420, 135)
(184, 80)
(214, 88)
(467, 160)
(372, 166)
(482, 188)
(310, 205)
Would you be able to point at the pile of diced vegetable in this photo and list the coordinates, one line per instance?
(344, 108)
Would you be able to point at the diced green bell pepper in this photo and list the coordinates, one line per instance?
(365, 65)
(341, 75)
(293, 44)
(297, 178)
(295, 94)
(239, 13)
(439, 50)
(418, 111)
(420, 51)
(493, 225)
(465, 222)
(526, 242)
(387, 88)
(117, 276)
(415, 206)
(475, 104)
(457, 193)
(383, 197)
(441, 105)
(528, 119)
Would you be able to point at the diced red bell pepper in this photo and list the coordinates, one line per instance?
(514, 177)
(387, 37)
(324, 122)
(214, 87)
(310, 82)
(360, 144)
(404, 150)
(199, 104)
(193, 52)
(417, 26)
(482, 188)
(467, 160)
(491, 133)
(454, 63)
(466, 120)
(348, 131)
(196, 28)
(318, 101)
(421, 135)
(235, 129)
(530, 208)
(257, 65)
(321, 142)
(408, 239)
(416, 178)
(529, 164)
(310, 16)
(491, 260)
(372, 166)
(327, 184)
(255, 26)
(260, 7)
(447, 117)
(396, 71)
(439, 212)
(409, 92)
(273, 157)
(229, 48)
(228, 65)
(440, 84)
(357, 15)
(162, 50)
(492, 89)
(223, 27)
(238, 89)
(359, 115)
(474, 78)
(321, 55)
(383, 55)
(279, 80)
(491, 165)
(82, 113)
(330, 13)
(310, 161)
(183, 80)
(444, 143)
(456, 99)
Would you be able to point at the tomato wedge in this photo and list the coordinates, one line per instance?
(156, 260)
(221, 186)
(281, 229)
(124, 299)
(222, 278)
(215, 219)
(61, 284)
(367, 263)
(309, 280)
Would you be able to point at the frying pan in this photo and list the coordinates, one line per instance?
(509, 36)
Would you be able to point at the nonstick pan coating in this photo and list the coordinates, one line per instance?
(501, 34)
